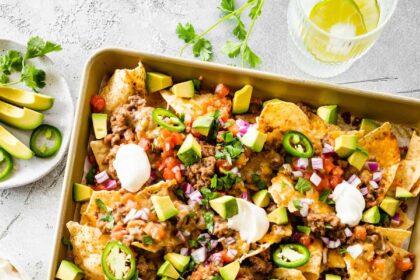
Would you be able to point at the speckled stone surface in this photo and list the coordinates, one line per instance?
(28, 214)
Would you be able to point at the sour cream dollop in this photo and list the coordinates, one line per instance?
(349, 203)
(132, 166)
(8, 271)
(251, 221)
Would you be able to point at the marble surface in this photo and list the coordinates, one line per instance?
(28, 214)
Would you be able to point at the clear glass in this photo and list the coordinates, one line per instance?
(322, 54)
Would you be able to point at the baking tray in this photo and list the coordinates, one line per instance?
(369, 104)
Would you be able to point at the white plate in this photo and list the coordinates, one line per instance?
(60, 116)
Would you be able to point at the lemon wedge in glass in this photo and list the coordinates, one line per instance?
(370, 11)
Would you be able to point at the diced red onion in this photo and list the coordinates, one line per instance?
(334, 244)
(297, 173)
(142, 214)
(315, 179)
(351, 179)
(199, 255)
(111, 184)
(355, 250)
(355, 181)
(213, 244)
(180, 236)
(396, 220)
(317, 163)
(327, 149)
(203, 238)
(184, 251)
(182, 167)
(176, 168)
(187, 188)
(186, 233)
(287, 167)
(245, 195)
(216, 258)
(302, 163)
(130, 215)
(348, 232)
(326, 240)
(304, 211)
(230, 240)
(373, 165)
(195, 196)
(377, 176)
(296, 236)
(101, 177)
(373, 184)
(243, 126)
(232, 253)
(364, 191)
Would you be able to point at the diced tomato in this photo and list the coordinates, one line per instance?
(171, 169)
(305, 240)
(226, 257)
(328, 164)
(145, 144)
(405, 264)
(378, 264)
(324, 184)
(295, 164)
(222, 90)
(360, 233)
(97, 103)
(337, 171)
(223, 165)
(335, 180)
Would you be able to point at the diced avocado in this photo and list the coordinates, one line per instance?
(203, 124)
(69, 271)
(261, 198)
(230, 271)
(28, 99)
(185, 89)
(372, 215)
(328, 113)
(390, 205)
(180, 262)
(81, 192)
(270, 101)
(254, 139)
(279, 216)
(13, 145)
(164, 207)
(241, 100)
(226, 206)
(100, 126)
(332, 277)
(403, 193)
(157, 81)
(358, 158)
(190, 151)
(21, 118)
(345, 145)
(367, 125)
(168, 270)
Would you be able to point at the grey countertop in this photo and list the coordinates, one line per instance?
(28, 214)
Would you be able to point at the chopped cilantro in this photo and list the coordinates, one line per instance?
(207, 196)
(323, 197)
(107, 216)
(90, 176)
(197, 84)
(208, 218)
(258, 181)
(342, 250)
(224, 182)
(303, 185)
(66, 242)
(297, 204)
(147, 240)
(193, 243)
(217, 277)
(192, 215)
(228, 123)
(328, 226)
(180, 193)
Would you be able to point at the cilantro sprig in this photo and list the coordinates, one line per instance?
(15, 61)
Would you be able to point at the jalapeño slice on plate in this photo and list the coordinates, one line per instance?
(297, 144)
(118, 261)
(168, 120)
(291, 255)
(6, 164)
(45, 141)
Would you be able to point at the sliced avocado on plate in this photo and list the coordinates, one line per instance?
(24, 98)
(22, 118)
(13, 145)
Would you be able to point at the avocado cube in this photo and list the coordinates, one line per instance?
(254, 139)
(81, 192)
(279, 216)
(367, 125)
(184, 90)
(261, 198)
(180, 262)
(190, 151)
(332, 277)
(69, 271)
(241, 100)
(345, 145)
(100, 126)
(226, 206)
(230, 271)
(390, 205)
(203, 124)
(164, 207)
(168, 270)
(358, 158)
(157, 81)
(403, 193)
(372, 215)
(328, 113)
(270, 101)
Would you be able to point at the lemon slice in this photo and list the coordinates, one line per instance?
(370, 11)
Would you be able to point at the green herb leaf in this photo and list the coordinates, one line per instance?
(90, 176)
(328, 226)
(304, 229)
(186, 32)
(101, 205)
(232, 49)
(66, 242)
(207, 196)
(255, 10)
(33, 77)
(228, 137)
(208, 218)
(239, 31)
(227, 6)
(11, 61)
(259, 182)
(147, 240)
(203, 49)
(3, 78)
(297, 204)
(197, 84)
(303, 185)
(342, 250)
(323, 197)
(217, 277)
(38, 47)
(192, 215)
(251, 58)
(193, 243)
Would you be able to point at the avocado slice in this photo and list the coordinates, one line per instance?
(69, 271)
(372, 215)
(403, 193)
(100, 125)
(226, 206)
(230, 271)
(261, 198)
(164, 207)
(390, 205)
(157, 81)
(254, 139)
(81, 192)
(28, 99)
(279, 216)
(345, 145)
(180, 262)
(13, 145)
(241, 100)
(358, 158)
(184, 90)
(168, 270)
(270, 101)
(328, 113)
(203, 124)
(332, 277)
(190, 151)
(367, 125)
(21, 118)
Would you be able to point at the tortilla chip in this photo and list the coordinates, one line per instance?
(160, 188)
(335, 259)
(123, 83)
(416, 188)
(388, 175)
(109, 198)
(287, 274)
(394, 235)
(277, 234)
(408, 173)
(318, 207)
(88, 244)
(282, 190)
(318, 127)
(312, 269)
(187, 106)
(100, 151)
(150, 248)
(406, 222)
(413, 152)
(255, 252)
(382, 145)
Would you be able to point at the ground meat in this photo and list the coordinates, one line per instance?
(245, 273)
(207, 150)
(147, 266)
(319, 223)
(200, 173)
(261, 263)
(204, 272)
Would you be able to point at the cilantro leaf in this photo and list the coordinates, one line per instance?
(197, 84)
(239, 31)
(36, 47)
(66, 242)
(227, 6)
(251, 58)
(147, 240)
(259, 182)
(11, 61)
(324, 195)
(207, 196)
(3, 78)
(101, 205)
(203, 49)
(90, 176)
(33, 77)
(225, 182)
(232, 49)
(297, 204)
(255, 10)
(303, 185)
(186, 32)
(208, 218)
